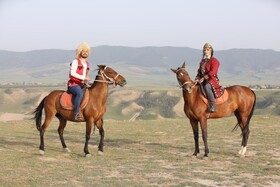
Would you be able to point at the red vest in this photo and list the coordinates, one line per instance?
(75, 81)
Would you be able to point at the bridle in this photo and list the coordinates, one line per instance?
(182, 85)
(106, 78)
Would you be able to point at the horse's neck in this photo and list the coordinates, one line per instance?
(100, 87)
(190, 98)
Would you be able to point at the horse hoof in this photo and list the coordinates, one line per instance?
(242, 151)
(194, 156)
(67, 150)
(88, 155)
(41, 152)
(242, 156)
(100, 153)
(204, 158)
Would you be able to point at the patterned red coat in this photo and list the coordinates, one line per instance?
(210, 74)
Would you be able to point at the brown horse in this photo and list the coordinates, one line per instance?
(241, 102)
(93, 112)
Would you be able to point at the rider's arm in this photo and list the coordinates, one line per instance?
(214, 68)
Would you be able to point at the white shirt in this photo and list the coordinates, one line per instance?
(74, 68)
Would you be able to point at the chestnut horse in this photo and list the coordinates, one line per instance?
(93, 112)
(241, 102)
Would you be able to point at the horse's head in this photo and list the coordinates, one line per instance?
(111, 75)
(183, 78)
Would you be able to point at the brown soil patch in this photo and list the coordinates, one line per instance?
(179, 108)
(133, 107)
(125, 96)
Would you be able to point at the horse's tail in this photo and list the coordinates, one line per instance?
(38, 114)
(246, 129)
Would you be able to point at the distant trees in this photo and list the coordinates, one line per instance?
(266, 86)
(161, 104)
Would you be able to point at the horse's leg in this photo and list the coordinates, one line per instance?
(48, 118)
(88, 132)
(60, 130)
(99, 125)
(203, 124)
(239, 122)
(238, 117)
(242, 121)
(245, 135)
(245, 115)
(194, 124)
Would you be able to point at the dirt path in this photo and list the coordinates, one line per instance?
(4, 117)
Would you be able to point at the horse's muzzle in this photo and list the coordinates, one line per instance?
(122, 83)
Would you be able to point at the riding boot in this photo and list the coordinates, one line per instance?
(78, 117)
(212, 107)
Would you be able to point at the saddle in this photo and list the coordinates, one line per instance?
(65, 101)
(223, 98)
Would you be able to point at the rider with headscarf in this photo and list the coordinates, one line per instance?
(207, 76)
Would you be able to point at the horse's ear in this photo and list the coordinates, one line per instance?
(101, 67)
(173, 70)
(184, 65)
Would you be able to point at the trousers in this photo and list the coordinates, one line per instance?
(78, 94)
(209, 93)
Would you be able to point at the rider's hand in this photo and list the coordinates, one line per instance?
(206, 76)
(200, 80)
(86, 84)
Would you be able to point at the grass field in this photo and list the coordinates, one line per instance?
(141, 153)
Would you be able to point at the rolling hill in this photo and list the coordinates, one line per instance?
(127, 103)
(143, 66)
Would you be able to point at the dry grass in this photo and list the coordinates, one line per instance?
(141, 153)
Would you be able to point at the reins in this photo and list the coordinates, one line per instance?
(188, 82)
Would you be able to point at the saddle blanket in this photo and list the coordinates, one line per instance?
(218, 100)
(66, 101)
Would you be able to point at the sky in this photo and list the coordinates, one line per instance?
(27, 25)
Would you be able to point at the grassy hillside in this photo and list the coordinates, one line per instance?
(268, 102)
(129, 103)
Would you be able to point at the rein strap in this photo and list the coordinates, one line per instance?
(107, 79)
